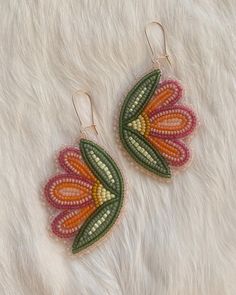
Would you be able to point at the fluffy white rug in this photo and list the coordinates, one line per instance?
(177, 238)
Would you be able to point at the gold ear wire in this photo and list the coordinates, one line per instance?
(83, 128)
(165, 55)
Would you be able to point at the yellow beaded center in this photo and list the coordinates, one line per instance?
(100, 194)
(141, 124)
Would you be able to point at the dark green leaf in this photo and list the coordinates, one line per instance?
(97, 225)
(102, 166)
(143, 153)
(139, 96)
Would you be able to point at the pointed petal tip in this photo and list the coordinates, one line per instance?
(156, 73)
(166, 173)
(75, 250)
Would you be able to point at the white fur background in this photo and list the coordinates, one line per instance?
(174, 239)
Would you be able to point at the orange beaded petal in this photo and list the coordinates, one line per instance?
(168, 93)
(175, 151)
(68, 222)
(173, 122)
(71, 161)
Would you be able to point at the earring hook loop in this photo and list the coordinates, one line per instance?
(83, 128)
(165, 55)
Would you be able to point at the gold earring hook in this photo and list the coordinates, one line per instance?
(165, 55)
(83, 128)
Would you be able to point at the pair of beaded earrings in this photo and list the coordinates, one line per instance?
(88, 193)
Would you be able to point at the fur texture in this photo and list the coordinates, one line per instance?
(174, 239)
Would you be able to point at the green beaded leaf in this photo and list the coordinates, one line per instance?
(102, 166)
(97, 225)
(143, 153)
(139, 96)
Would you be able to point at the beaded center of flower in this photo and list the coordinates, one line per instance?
(141, 124)
(100, 194)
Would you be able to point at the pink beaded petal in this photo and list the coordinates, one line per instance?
(68, 191)
(174, 150)
(68, 222)
(71, 161)
(168, 93)
(173, 122)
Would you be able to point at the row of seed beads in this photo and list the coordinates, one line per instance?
(184, 153)
(68, 223)
(147, 124)
(72, 192)
(141, 124)
(102, 220)
(183, 114)
(168, 92)
(171, 121)
(100, 194)
(138, 97)
(103, 167)
(147, 158)
(72, 159)
(64, 201)
(142, 150)
(177, 154)
(99, 222)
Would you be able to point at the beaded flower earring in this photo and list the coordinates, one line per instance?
(88, 193)
(153, 124)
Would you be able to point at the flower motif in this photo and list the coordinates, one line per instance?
(164, 122)
(77, 192)
(88, 194)
(154, 124)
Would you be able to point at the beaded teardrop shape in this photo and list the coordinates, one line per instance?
(153, 124)
(88, 193)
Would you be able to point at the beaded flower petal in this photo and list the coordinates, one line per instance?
(88, 192)
(153, 124)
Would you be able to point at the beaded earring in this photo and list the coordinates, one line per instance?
(153, 124)
(87, 195)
